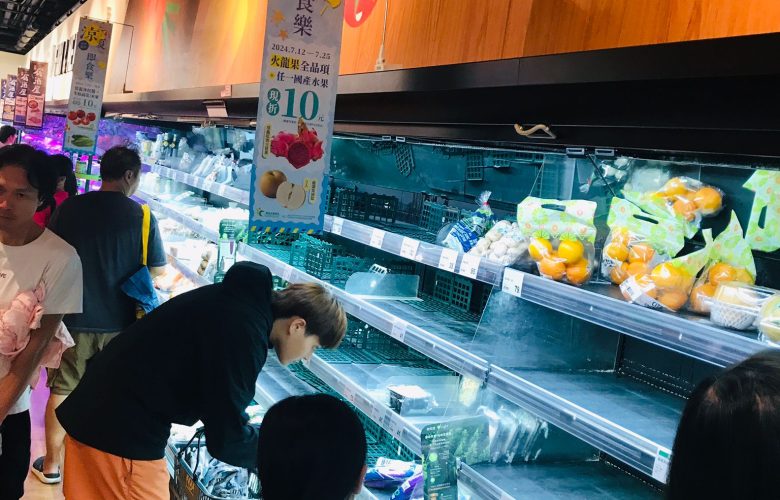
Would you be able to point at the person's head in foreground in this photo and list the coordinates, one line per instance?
(306, 317)
(27, 183)
(728, 441)
(311, 447)
(7, 135)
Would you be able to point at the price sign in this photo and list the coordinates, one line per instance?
(512, 282)
(447, 259)
(338, 224)
(661, 464)
(469, 266)
(377, 238)
(399, 330)
(395, 427)
(409, 248)
(378, 412)
(349, 394)
(287, 273)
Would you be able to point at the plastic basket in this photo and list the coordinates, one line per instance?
(475, 166)
(435, 215)
(347, 355)
(281, 238)
(453, 290)
(348, 203)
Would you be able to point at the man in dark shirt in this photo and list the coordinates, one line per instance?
(105, 229)
(196, 357)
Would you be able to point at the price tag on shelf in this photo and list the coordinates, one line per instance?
(399, 330)
(409, 248)
(377, 237)
(661, 464)
(287, 273)
(338, 224)
(469, 266)
(208, 186)
(394, 425)
(447, 259)
(349, 394)
(378, 412)
(512, 282)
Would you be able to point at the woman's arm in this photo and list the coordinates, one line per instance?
(26, 362)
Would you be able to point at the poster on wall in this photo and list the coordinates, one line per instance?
(9, 103)
(20, 105)
(36, 94)
(295, 115)
(93, 40)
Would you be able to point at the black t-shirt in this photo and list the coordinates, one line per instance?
(196, 357)
(105, 229)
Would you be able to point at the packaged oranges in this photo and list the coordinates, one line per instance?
(560, 237)
(668, 284)
(637, 242)
(730, 260)
(686, 199)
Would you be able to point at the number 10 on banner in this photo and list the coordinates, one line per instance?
(308, 104)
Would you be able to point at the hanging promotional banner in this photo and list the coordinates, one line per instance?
(9, 103)
(295, 115)
(36, 94)
(93, 39)
(20, 104)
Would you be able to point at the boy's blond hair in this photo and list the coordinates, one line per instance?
(324, 316)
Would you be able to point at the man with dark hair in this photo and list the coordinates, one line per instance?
(105, 228)
(196, 357)
(7, 135)
(311, 447)
(32, 259)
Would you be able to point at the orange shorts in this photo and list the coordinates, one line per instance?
(91, 474)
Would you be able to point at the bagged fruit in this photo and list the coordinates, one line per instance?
(637, 242)
(560, 237)
(668, 284)
(764, 237)
(504, 244)
(464, 234)
(730, 260)
(684, 198)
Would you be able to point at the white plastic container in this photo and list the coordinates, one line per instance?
(737, 305)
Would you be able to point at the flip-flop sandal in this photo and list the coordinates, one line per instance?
(50, 478)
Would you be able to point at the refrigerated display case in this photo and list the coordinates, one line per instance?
(568, 391)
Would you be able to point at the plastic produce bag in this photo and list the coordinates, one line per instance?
(504, 244)
(560, 236)
(764, 237)
(637, 242)
(464, 234)
(389, 473)
(684, 198)
(730, 260)
(669, 283)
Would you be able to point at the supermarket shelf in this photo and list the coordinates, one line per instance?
(599, 304)
(399, 427)
(551, 481)
(443, 351)
(411, 248)
(586, 479)
(629, 420)
(228, 192)
(185, 221)
(425, 333)
(188, 273)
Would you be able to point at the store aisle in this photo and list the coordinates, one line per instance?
(34, 489)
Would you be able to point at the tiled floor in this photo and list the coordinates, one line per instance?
(34, 489)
